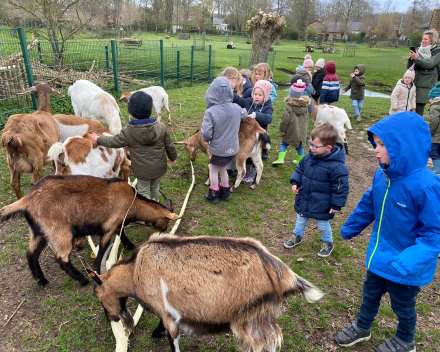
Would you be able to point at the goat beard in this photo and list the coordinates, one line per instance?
(127, 320)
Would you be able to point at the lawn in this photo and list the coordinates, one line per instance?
(66, 317)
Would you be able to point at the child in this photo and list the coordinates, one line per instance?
(149, 143)
(357, 86)
(308, 64)
(403, 249)
(235, 80)
(434, 127)
(307, 92)
(403, 97)
(330, 85)
(262, 71)
(247, 83)
(320, 182)
(293, 126)
(306, 76)
(220, 126)
(317, 79)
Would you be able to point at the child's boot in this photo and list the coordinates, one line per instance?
(212, 196)
(296, 162)
(280, 160)
(358, 117)
(224, 193)
(436, 166)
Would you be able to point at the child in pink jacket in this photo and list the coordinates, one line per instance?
(403, 97)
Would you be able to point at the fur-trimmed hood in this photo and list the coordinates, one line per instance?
(303, 101)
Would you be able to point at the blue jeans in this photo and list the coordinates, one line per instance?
(322, 225)
(357, 106)
(402, 302)
(300, 149)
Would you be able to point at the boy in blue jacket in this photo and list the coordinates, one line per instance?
(320, 182)
(405, 242)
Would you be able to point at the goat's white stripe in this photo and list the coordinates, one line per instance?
(176, 343)
(173, 312)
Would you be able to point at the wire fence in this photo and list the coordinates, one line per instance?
(116, 66)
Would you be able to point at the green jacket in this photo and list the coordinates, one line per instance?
(357, 84)
(434, 121)
(426, 75)
(295, 120)
(149, 146)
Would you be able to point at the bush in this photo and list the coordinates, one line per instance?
(290, 33)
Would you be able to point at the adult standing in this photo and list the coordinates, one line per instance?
(425, 61)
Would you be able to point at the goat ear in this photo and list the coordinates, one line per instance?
(28, 90)
(173, 216)
(57, 93)
(95, 277)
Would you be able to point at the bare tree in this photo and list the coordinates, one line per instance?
(62, 19)
(265, 28)
(304, 13)
(350, 10)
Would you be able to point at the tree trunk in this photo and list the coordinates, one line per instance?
(265, 28)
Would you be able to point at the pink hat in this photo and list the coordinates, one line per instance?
(308, 62)
(410, 73)
(265, 86)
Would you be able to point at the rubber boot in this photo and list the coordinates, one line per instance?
(296, 162)
(212, 196)
(280, 160)
(436, 166)
(224, 193)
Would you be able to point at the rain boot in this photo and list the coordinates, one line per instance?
(436, 166)
(224, 193)
(296, 162)
(212, 196)
(280, 160)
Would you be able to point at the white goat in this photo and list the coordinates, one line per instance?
(160, 100)
(91, 102)
(71, 126)
(336, 116)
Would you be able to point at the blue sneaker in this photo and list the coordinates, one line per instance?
(396, 344)
(294, 241)
(352, 335)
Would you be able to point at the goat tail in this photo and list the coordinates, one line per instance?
(10, 139)
(264, 138)
(12, 210)
(347, 123)
(309, 291)
(55, 151)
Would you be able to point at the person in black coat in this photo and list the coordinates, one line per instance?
(318, 78)
(320, 182)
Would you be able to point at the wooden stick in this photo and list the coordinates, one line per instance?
(16, 309)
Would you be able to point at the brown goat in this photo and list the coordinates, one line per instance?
(204, 285)
(71, 126)
(28, 137)
(61, 208)
(250, 136)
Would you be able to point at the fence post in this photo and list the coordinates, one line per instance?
(162, 68)
(178, 66)
(209, 65)
(27, 64)
(192, 63)
(115, 66)
(107, 63)
(39, 52)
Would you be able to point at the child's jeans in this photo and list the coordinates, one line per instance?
(322, 225)
(357, 106)
(145, 187)
(435, 156)
(402, 302)
(300, 149)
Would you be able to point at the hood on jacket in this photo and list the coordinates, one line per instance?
(219, 92)
(147, 134)
(303, 101)
(400, 82)
(361, 69)
(330, 68)
(407, 139)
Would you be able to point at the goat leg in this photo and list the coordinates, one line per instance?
(73, 272)
(36, 245)
(346, 148)
(15, 183)
(126, 242)
(102, 248)
(157, 333)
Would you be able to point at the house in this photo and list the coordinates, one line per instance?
(219, 24)
(335, 30)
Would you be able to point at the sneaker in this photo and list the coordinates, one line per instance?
(294, 241)
(326, 249)
(352, 335)
(396, 344)
(358, 118)
(265, 154)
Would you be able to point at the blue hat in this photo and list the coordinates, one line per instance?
(435, 92)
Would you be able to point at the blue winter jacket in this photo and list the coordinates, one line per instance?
(404, 204)
(322, 182)
(263, 111)
(273, 93)
(247, 87)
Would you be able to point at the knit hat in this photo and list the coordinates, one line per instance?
(435, 92)
(297, 89)
(265, 86)
(320, 63)
(295, 78)
(308, 62)
(140, 104)
(410, 73)
(305, 74)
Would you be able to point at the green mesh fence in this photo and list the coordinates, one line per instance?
(130, 65)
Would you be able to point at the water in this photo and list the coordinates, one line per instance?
(367, 93)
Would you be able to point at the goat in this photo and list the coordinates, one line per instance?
(92, 102)
(336, 116)
(71, 125)
(160, 99)
(28, 137)
(81, 155)
(250, 136)
(204, 285)
(61, 208)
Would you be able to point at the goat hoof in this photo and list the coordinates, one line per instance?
(43, 282)
(156, 334)
(232, 189)
(84, 282)
(130, 246)
(253, 187)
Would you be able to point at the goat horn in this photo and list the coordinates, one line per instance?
(180, 143)
(184, 135)
(104, 259)
(165, 199)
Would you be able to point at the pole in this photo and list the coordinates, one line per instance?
(162, 68)
(27, 63)
(192, 63)
(209, 64)
(107, 63)
(178, 66)
(115, 65)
